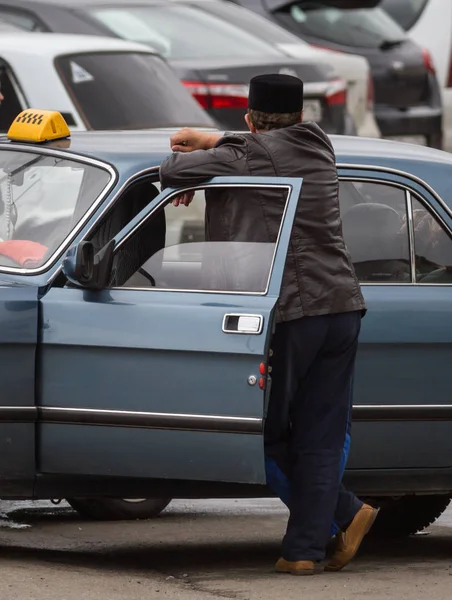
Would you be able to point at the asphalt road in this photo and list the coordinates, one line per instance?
(201, 550)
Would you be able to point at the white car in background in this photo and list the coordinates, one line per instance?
(429, 23)
(94, 82)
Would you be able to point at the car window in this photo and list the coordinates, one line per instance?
(433, 247)
(20, 19)
(11, 105)
(101, 86)
(374, 229)
(192, 256)
(405, 12)
(182, 31)
(366, 28)
(250, 22)
(42, 198)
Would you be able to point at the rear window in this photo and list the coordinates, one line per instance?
(182, 31)
(405, 12)
(361, 28)
(128, 91)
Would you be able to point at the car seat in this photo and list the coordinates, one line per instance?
(149, 239)
(378, 249)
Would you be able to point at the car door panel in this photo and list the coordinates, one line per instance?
(405, 347)
(146, 383)
(18, 341)
(402, 414)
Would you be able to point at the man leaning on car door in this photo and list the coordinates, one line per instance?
(318, 313)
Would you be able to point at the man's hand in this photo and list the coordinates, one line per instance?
(184, 199)
(188, 140)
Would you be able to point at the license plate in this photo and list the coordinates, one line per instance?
(312, 110)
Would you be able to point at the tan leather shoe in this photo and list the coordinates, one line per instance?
(299, 567)
(349, 541)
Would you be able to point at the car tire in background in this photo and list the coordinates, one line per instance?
(118, 509)
(406, 515)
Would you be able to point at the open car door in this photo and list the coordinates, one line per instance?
(163, 374)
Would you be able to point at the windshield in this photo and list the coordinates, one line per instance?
(405, 12)
(42, 198)
(252, 22)
(128, 90)
(365, 28)
(182, 31)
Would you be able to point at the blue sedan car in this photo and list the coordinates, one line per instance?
(135, 354)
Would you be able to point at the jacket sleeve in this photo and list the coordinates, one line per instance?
(228, 157)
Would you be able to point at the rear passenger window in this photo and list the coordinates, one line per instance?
(433, 247)
(374, 217)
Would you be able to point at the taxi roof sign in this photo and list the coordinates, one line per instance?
(38, 126)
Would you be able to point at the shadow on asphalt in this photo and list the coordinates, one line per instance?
(253, 559)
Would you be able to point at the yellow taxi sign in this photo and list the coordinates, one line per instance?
(37, 126)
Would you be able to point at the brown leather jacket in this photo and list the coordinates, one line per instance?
(319, 278)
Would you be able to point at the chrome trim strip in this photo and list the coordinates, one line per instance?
(194, 189)
(18, 414)
(402, 412)
(206, 423)
(410, 176)
(76, 230)
(412, 249)
(151, 420)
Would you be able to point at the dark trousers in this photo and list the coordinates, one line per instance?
(312, 374)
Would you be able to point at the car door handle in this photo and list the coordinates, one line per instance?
(244, 324)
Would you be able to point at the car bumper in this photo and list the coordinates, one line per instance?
(414, 121)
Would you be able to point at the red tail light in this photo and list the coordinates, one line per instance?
(337, 93)
(428, 61)
(218, 95)
(370, 92)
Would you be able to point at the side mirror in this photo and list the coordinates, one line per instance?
(84, 268)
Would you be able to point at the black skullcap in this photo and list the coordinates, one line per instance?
(275, 93)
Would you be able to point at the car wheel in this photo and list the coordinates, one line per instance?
(118, 509)
(435, 141)
(403, 516)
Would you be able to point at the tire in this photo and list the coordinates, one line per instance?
(118, 509)
(404, 516)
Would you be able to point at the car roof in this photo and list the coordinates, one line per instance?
(138, 150)
(54, 44)
(78, 3)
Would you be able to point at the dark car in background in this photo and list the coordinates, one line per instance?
(407, 95)
(213, 58)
